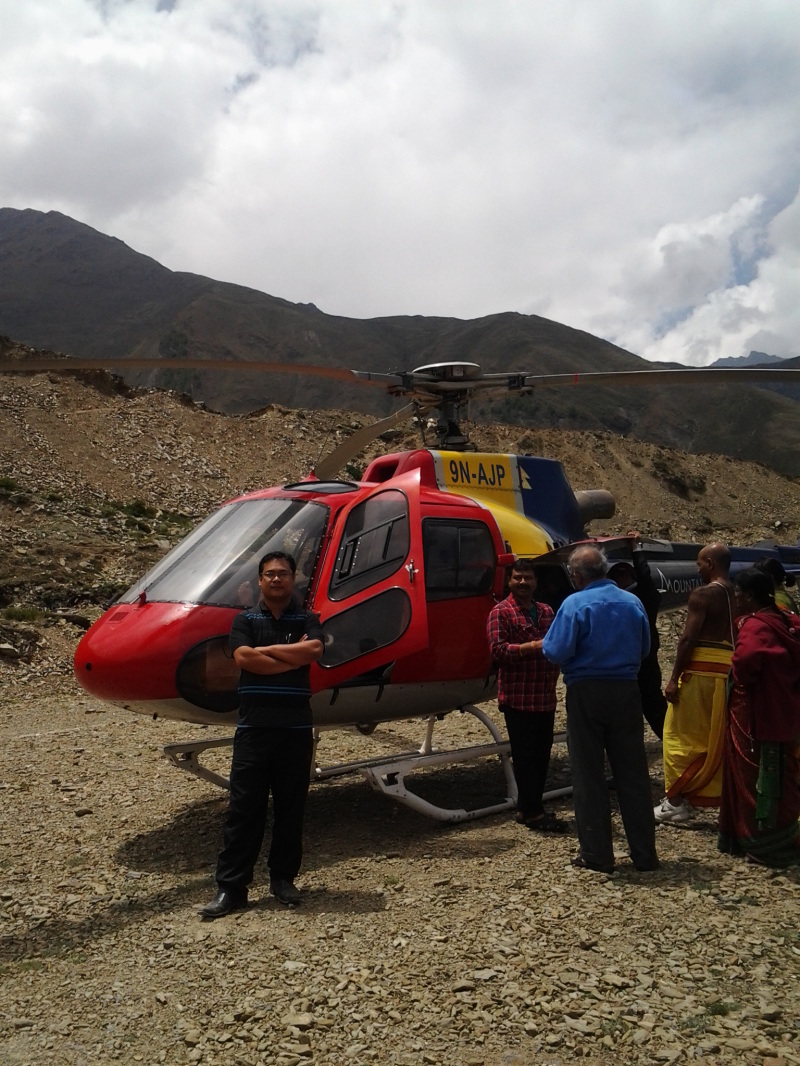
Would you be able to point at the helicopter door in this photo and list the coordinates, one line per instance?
(374, 611)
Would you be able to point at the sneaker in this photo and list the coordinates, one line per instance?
(672, 813)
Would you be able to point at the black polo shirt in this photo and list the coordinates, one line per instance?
(274, 699)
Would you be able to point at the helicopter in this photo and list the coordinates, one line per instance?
(402, 566)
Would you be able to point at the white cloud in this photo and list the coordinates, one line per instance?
(690, 272)
(624, 168)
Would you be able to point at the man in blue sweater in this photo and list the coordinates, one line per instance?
(599, 637)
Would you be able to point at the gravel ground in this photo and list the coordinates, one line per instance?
(416, 942)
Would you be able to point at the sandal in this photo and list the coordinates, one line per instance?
(544, 823)
(580, 863)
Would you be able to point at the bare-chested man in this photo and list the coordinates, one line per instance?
(695, 720)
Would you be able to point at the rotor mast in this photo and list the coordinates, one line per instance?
(440, 391)
(448, 405)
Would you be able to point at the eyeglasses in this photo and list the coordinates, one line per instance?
(276, 575)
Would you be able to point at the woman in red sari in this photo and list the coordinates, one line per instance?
(760, 801)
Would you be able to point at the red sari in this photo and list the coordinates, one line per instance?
(760, 802)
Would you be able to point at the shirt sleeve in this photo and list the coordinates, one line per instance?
(313, 628)
(241, 632)
(497, 633)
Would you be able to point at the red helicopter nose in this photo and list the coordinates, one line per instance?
(132, 653)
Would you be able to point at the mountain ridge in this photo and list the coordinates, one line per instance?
(67, 287)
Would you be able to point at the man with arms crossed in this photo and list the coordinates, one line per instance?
(695, 722)
(273, 643)
(599, 637)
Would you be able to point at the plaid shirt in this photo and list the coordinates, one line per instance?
(526, 684)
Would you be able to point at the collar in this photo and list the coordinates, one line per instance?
(518, 605)
(292, 605)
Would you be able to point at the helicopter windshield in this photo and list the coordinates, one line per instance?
(218, 562)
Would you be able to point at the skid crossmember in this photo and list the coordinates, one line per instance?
(187, 758)
(388, 775)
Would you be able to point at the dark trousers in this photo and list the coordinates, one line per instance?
(264, 761)
(606, 716)
(654, 702)
(530, 734)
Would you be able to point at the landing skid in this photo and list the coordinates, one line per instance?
(387, 775)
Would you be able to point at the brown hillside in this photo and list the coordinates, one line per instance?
(98, 480)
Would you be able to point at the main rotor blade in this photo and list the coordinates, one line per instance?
(522, 382)
(411, 382)
(329, 464)
(67, 364)
(687, 376)
(382, 379)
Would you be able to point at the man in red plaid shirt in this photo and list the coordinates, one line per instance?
(526, 691)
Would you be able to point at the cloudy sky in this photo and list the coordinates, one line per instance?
(627, 167)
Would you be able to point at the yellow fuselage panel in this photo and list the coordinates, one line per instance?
(497, 482)
(521, 535)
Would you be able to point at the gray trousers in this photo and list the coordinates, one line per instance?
(606, 716)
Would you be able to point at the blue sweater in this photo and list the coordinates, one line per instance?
(599, 633)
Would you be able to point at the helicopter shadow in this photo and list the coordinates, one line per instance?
(187, 843)
(344, 820)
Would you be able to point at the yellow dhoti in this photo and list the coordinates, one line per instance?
(694, 728)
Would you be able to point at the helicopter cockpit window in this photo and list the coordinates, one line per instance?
(460, 559)
(218, 563)
(374, 544)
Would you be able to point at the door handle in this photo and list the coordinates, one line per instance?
(411, 570)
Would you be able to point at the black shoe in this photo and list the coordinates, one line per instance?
(284, 891)
(223, 903)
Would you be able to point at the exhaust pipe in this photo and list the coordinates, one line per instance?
(595, 503)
